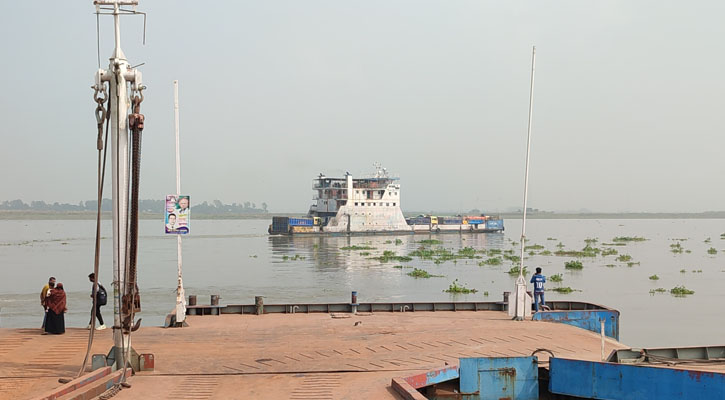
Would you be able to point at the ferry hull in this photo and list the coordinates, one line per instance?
(497, 226)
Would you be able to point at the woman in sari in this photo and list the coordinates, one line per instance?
(55, 322)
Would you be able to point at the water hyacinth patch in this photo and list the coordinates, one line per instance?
(391, 256)
(459, 288)
(654, 277)
(556, 278)
(491, 261)
(628, 239)
(563, 290)
(681, 291)
(574, 264)
(421, 273)
(515, 271)
(355, 247)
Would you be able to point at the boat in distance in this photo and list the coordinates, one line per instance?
(371, 206)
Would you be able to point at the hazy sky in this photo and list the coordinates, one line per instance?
(627, 115)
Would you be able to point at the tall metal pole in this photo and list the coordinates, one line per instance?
(180, 295)
(118, 76)
(120, 181)
(522, 306)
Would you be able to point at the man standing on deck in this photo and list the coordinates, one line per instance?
(43, 295)
(101, 300)
(538, 280)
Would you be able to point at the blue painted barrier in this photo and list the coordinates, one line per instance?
(585, 319)
(499, 377)
(599, 380)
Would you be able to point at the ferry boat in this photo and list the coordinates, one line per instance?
(371, 205)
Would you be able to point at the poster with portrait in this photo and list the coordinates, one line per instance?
(177, 215)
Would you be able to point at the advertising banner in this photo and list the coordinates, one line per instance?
(178, 215)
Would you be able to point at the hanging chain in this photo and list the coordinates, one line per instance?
(100, 97)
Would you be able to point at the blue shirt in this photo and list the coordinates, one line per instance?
(538, 280)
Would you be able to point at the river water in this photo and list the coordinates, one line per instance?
(238, 260)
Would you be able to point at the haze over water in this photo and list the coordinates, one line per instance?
(238, 260)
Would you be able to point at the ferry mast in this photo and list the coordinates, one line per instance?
(119, 76)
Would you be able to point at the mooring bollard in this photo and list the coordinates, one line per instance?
(259, 304)
(214, 300)
(192, 299)
(353, 302)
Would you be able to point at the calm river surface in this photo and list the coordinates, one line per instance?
(238, 260)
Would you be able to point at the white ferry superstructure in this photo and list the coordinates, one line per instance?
(370, 205)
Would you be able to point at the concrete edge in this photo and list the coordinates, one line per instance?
(75, 384)
(95, 389)
(408, 392)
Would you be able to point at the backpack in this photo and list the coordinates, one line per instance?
(102, 299)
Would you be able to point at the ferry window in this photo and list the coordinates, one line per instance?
(355, 203)
(387, 204)
(393, 204)
(373, 204)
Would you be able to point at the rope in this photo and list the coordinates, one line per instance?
(101, 178)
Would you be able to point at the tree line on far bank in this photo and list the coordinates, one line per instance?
(215, 207)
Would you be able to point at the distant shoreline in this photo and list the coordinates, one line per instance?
(90, 215)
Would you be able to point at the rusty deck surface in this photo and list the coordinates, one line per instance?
(286, 356)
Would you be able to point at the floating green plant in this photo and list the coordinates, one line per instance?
(658, 290)
(355, 247)
(515, 270)
(398, 266)
(388, 242)
(391, 256)
(491, 261)
(575, 253)
(545, 253)
(560, 245)
(708, 240)
(681, 291)
(697, 271)
(591, 240)
(614, 244)
(682, 271)
(430, 241)
(551, 238)
(632, 264)
(563, 290)
(456, 288)
(531, 253)
(512, 258)
(421, 273)
(468, 252)
(624, 257)
(534, 247)
(573, 264)
(712, 250)
(676, 248)
(364, 253)
(398, 242)
(485, 294)
(654, 277)
(609, 252)
(628, 239)
(611, 265)
(493, 252)
(556, 278)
